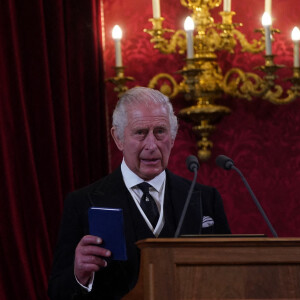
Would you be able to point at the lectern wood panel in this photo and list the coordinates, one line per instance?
(235, 282)
(219, 268)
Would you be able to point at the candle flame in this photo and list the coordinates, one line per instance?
(266, 19)
(189, 24)
(296, 34)
(117, 32)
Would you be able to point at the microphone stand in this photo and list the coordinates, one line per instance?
(256, 201)
(186, 203)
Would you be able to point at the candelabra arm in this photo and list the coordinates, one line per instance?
(244, 85)
(169, 87)
(274, 92)
(292, 93)
(274, 96)
(255, 46)
(177, 42)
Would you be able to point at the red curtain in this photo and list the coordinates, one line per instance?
(52, 129)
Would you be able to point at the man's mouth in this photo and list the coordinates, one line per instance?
(150, 161)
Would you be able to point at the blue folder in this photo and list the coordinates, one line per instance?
(108, 224)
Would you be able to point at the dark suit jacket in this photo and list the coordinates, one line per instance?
(118, 278)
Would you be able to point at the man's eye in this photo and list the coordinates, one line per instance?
(160, 130)
(160, 133)
(140, 133)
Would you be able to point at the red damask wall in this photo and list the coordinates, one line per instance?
(263, 139)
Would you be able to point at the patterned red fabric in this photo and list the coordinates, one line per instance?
(262, 138)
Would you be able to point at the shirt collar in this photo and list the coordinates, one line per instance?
(131, 179)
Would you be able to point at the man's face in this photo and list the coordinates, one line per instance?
(147, 141)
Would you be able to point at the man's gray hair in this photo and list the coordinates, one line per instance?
(139, 95)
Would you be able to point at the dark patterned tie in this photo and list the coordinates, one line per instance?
(148, 204)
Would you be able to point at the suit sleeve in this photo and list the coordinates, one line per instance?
(62, 283)
(111, 282)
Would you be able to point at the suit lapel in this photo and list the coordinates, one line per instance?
(110, 192)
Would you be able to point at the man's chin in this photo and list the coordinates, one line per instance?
(150, 173)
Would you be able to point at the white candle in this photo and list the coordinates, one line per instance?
(266, 22)
(227, 5)
(268, 40)
(156, 9)
(117, 36)
(268, 7)
(296, 39)
(189, 29)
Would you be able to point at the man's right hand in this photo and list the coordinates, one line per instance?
(89, 258)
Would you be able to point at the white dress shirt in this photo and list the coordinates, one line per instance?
(157, 191)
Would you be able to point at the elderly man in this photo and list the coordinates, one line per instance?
(144, 129)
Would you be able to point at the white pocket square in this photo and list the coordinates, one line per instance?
(207, 221)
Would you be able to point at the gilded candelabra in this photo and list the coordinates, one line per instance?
(202, 78)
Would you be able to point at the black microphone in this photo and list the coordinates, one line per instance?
(227, 163)
(192, 163)
(193, 166)
(224, 162)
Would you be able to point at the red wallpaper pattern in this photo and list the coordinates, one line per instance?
(262, 138)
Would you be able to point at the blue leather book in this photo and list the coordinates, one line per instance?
(107, 223)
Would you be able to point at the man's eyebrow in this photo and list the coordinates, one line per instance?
(140, 128)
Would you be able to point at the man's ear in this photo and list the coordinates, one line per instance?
(172, 143)
(116, 138)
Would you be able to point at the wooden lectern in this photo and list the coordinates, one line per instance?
(218, 268)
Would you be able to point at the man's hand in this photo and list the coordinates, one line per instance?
(89, 258)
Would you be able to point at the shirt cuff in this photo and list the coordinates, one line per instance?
(89, 286)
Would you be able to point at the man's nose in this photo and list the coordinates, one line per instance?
(150, 141)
